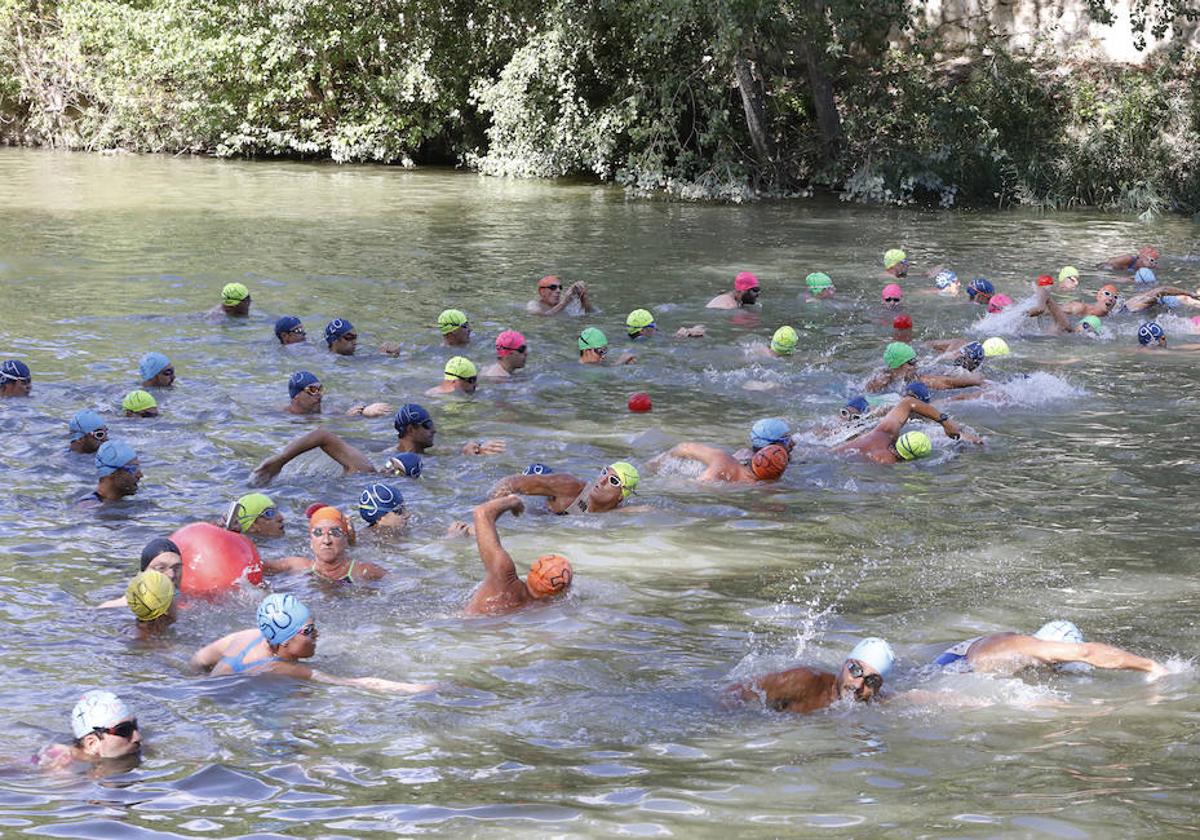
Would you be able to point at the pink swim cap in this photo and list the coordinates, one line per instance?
(892, 290)
(1196, 321)
(745, 281)
(509, 341)
(998, 302)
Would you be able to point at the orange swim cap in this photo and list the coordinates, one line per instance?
(549, 575)
(769, 462)
(332, 516)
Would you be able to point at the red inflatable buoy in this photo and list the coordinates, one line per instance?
(215, 559)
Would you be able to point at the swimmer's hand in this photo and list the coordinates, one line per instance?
(457, 528)
(392, 687)
(265, 472)
(379, 409)
(627, 359)
(511, 503)
(971, 437)
(390, 348)
(1156, 673)
(690, 332)
(485, 447)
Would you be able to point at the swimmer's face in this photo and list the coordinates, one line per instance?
(16, 387)
(146, 412)
(309, 400)
(345, 345)
(750, 296)
(90, 443)
(648, 332)
(850, 414)
(111, 742)
(517, 359)
(458, 337)
(126, 478)
(551, 292)
(393, 520)
(1069, 283)
(303, 644)
(467, 385)
(241, 308)
(952, 290)
(908, 370)
(900, 269)
(164, 378)
(604, 494)
(859, 679)
(328, 541)
(967, 362)
(297, 335)
(169, 564)
(268, 524)
(420, 434)
(1146, 261)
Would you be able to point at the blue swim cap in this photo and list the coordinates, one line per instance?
(112, 455)
(378, 500)
(280, 617)
(972, 351)
(919, 390)
(1169, 301)
(15, 369)
(84, 423)
(337, 328)
(286, 324)
(406, 463)
(410, 415)
(152, 365)
(536, 469)
(859, 404)
(980, 284)
(1144, 275)
(300, 380)
(944, 278)
(1150, 332)
(768, 431)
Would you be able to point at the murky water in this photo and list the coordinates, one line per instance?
(599, 715)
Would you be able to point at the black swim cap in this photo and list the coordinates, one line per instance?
(157, 546)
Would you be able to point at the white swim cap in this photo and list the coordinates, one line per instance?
(98, 709)
(874, 652)
(1064, 631)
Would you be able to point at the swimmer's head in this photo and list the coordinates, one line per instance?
(913, 445)
(289, 330)
(980, 290)
(627, 476)
(892, 294)
(116, 459)
(746, 288)
(154, 364)
(998, 303)
(461, 371)
(592, 341)
(855, 408)
(302, 381)
(537, 469)
(163, 555)
(1145, 275)
(819, 283)
(406, 464)
(770, 430)
(382, 504)
(282, 617)
(1147, 258)
(340, 337)
(139, 403)
(1151, 334)
(104, 726)
(919, 390)
(549, 575)
(640, 323)
(945, 279)
(88, 423)
(1108, 295)
(639, 403)
(770, 462)
(414, 421)
(1067, 633)
(995, 346)
(550, 290)
(455, 328)
(865, 668)
(16, 380)
(235, 299)
(898, 354)
(902, 323)
(970, 356)
(784, 341)
(256, 509)
(1068, 274)
(895, 261)
(1091, 324)
(511, 343)
(149, 595)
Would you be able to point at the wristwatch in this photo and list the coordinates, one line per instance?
(944, 417)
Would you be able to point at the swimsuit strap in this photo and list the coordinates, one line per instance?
(348, 577)
(237, 662)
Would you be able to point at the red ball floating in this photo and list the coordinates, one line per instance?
(902, 322)
(214, 559)
(639, 402)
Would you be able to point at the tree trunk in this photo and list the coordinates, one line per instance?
(829, 121)
(752, 104)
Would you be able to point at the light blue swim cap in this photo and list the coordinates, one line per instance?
(769, 430)
(1064, 631)
(280, 617)
(874, 652)
(1144, 275)
(112, 455)
(152, 365)
(84, 423)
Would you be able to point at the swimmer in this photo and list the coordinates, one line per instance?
(340, 337)
(946, 282)
(502, 590)
(118, 471)
(746, 292)
(290, 330)
(157, 371)
(150, 596)
(892, 295)
(820, 286)
(783, 342)
(286, 634)
(803, 690)
(15, 379)
(1058, 643)
(1145, 258)
(902, 329)
(767, 464)
(1068, 278)
(1168, 296)
(901, 367)
(1106, 299)
(159, 555)
(980, 291)
(88, 431)
(593, 348)
(640, 324)
(512, 354)
(455, 328)
(104, 729)
(459, 377)
(381, 506)
(330, 535)
(567, 494)
(254, 515)
(235, 301)
(895, 263)
(999, 303)
(551, 300)
(886, 445)
(306, 393)
(139, 403)
(764, 433)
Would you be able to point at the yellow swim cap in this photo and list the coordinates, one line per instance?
(995, 346)
(234, 293)
(137, 401)
(639, 319)
(784, 341)
(149, 595)
(250, 507)
(628, 474)
(460, 367)
(893, 256)
(1068, 271)
(913, 445)
(450, 320)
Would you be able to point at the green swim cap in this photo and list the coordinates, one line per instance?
(138, 401)
(893, 256)
(628, 474)
(592, 339)
(818, 281)
(234, 293)
(450, 320)
(638, 319)
(1093, 323)
(913, 445)
(250, 507)
(784, 341)
(995, 346)
(897, 353)
(460, 367)
(1068, 271)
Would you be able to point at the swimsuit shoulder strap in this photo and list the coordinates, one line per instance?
(237, 662)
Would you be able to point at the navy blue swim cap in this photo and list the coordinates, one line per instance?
(15, 369)
(972, 351)
(337, 328)
(536, 469)
(859, 404)
(379, 500)
(300, 380)
(1148, 333)
(157, 546)
(410, 415)
(980, 284)
(286, 324)
(406, 463)
(919, 390)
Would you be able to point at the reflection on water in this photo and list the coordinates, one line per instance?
(598, 715)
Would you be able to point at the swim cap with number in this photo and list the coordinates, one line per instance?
(300, 380)
(84, 423)
(874, 652)
(629, 476)
(250, 507)
(281, 617)
(745, 281)
(377, 501)
(152, 364)
(769, 430)
(638, 320)
(769, 462)
(893, 256)
(337, 328)
(112, 455)
(410, 415)
(459, 367)
(1148, 333)
(137, 401)
(98, 710)
(995, 346)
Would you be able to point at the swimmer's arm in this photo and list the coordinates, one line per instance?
(286, 564)
(943, 345)
(701, 452)
(562, 304)
(1074, 307)
(351, 459)
(1056, 314)
(1093, 653)
(557, 486)
(371, 683)
(370, 571)
(113, 604)
(895, 419)
(497, 562)
(966, 379)
(581, 291)
(924, 697)
(209, 655)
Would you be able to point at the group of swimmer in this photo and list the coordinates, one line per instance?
(868, 426)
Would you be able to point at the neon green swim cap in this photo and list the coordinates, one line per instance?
(136, 401)
(592, 339)
(234, 293)
(1093, 323)
(149, 595)
(250, 507)
(784, 341)
(1068, 271)
(638, 320)
(629, 476)
(893, 256)
(460, 367)
(995, 346)
(898, 353)
(818, 282)
(913, 445)
(450, 320)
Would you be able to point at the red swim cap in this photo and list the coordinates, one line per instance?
(549, 575)
(745, 281)
(769, 462)
(902, 322)
(1045, 280)
(639, 402)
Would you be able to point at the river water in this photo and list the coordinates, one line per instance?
(600, 714)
